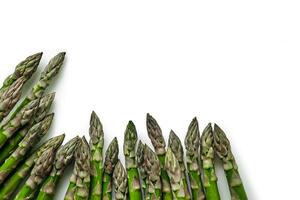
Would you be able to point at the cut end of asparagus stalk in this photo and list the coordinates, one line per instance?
(120, 181)
(111, 156)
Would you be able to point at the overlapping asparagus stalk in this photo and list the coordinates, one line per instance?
(34, 134)
(140, 154)
(157, 139)
(64, 156)
(153, 171)
(120, 182)
(177, 149)
(12, 183)
(111, 159)
(130, 140)
(223, 151)
(96, 146)
(192, 146)
(207, 157)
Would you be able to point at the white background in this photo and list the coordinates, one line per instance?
(235, 63)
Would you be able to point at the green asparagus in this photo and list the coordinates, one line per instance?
(223, 151)
(153, 171)
(140, 152)
(157, 139)
(111, 159)
(177, 149)
(207, 158)
(96, 146)
(13, 182)
(130, 140)
(63, 158)
(33, 136)
(120, 182)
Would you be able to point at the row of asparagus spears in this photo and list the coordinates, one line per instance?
(32, 171)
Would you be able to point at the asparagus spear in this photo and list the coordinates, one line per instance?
(177, 149)
(157, 139)
(63, 158)
(42, 110)
(207, 157)
(24, 69)
(33, 136)
(12, 183)
(130, 140)
(8, 127)
(40, 171)
(120, 182)
(96, 145)
(111, 159)
(10, 97)
(152, 166)
(192, 146)
(223, 151)
(141, 166)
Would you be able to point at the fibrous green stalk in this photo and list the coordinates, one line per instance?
(120, 182)
(223, 151)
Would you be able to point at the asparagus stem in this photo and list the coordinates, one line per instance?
(111, 159)
(130, 140)
(207, 157)
(120, 182)
(64, 156)
(177, 149)
(140, 152)
(157, 140)
(33, 136)
(223, 151)
(96, 145)
(192, 145)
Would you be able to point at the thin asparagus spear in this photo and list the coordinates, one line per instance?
(42, 110)
(207, 157)
(111, 159)
(63, 158)
(174, 171)
(192, 146)
(140, 152)
(177, 149)
(40, 171)
(10, 97)
(157, 139)
(24, 69)
(120, 182)
(33, 136)
(13, 182)
(223, 151)
(9, 127)
(152, 166)
(96, 146)
(130, 140)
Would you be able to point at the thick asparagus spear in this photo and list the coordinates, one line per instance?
(63, 158)
(33, 136)
(96, 145)
(24, 69)
(140, 152)
(177, 149)
(223, 151)
(9, 127)
(152, 167)
(10, 97)
(157, 139)
(40, 171)
(120, 182)
(207, 157)
(12, 183)
(111, 159)
(130, 140)
(42, 110)
(192, 146)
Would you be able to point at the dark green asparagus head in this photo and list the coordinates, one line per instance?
(44, 106)
(155, 135)
(97, 137)
(140, 151)
(111, 156)
(120, 181)
(207, 150)
(176, 147)
(130, 140)
(53, 66)
(152, 165)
